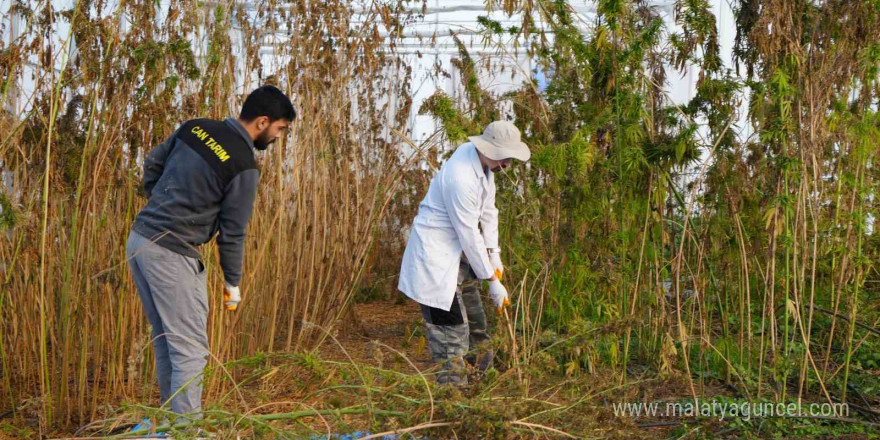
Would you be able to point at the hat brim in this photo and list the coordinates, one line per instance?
(511, 150)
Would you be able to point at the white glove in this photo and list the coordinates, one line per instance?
(231, 297)
(495, 259)
(498, 293)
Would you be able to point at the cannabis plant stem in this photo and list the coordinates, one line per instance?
(635, 295)
(857, 270)
(45, 378)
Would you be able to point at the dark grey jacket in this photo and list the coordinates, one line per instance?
(201, 180)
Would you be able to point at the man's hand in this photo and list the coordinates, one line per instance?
(231, 297)
(498, 294)
(495, 259)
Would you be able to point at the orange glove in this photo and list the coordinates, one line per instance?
(231, 297)
(498, 294)
(495, 259)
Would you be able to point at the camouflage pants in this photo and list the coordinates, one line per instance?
(461, 333)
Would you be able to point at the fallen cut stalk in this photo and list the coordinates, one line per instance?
(405, 430)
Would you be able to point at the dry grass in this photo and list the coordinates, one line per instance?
(375, 376)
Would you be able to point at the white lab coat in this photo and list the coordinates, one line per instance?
(460, 200)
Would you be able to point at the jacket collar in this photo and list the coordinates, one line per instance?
(233, 122)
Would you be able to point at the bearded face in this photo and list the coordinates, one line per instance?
(263, 140)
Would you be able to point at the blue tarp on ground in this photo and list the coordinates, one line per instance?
(361, 434)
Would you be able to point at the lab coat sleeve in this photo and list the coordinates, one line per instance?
(461, 197)
(489, 221)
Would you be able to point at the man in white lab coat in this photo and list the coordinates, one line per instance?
(458, 215)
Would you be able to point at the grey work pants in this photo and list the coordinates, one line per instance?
(172, 289)
(460, 333)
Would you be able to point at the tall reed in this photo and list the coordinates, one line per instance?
(73, 336)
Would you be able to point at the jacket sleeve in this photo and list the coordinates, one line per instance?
(235, 212)
(489, 219)
(154, 163)
(461, 197)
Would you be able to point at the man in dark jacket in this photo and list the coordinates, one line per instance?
(201, 181)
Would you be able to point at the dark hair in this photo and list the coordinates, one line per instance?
(267, 101)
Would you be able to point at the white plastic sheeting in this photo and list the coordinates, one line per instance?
(427, 46)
